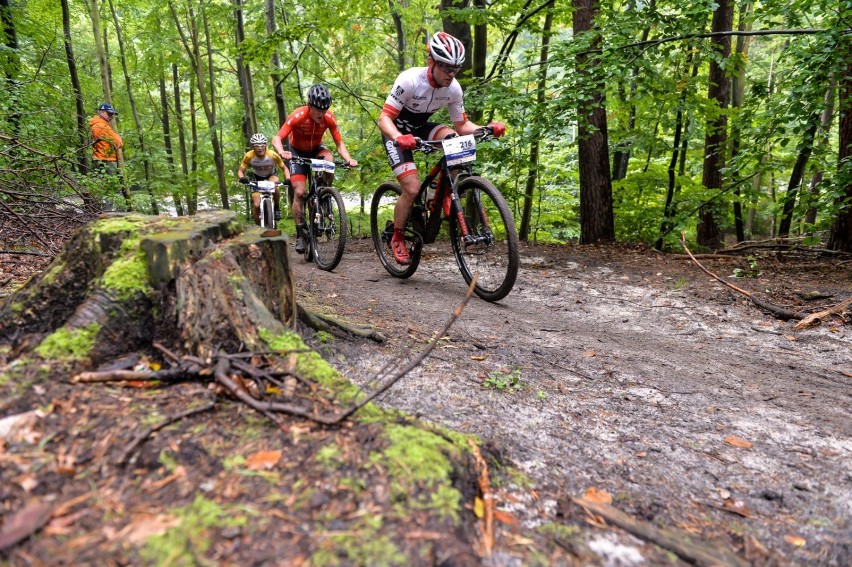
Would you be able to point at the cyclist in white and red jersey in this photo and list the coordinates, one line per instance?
(416, 94)
(306, 126)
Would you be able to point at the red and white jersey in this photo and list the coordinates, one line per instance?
(414, 98)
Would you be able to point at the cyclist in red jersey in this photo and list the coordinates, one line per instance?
(416, 94)
(306, 126)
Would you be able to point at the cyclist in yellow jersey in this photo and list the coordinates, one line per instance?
(263, 164)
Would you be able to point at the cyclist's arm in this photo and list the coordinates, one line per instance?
(280, 163)
(344, 153)
(387, 127)
(465, 126)
(243, 166)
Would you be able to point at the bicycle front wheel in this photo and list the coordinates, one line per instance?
(381, 227)
(267, 214)
(490, 247)
(328, 228)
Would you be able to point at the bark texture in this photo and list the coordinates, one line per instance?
(127, 280)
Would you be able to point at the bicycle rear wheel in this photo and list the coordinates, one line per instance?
(491, 246)
(328, 228)
(381, 227)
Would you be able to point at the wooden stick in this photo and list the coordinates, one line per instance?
(781, 313)
(814, 319)
(679, 543)
(487, 499)
(143, 435)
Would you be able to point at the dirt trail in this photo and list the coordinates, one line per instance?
(629, 372)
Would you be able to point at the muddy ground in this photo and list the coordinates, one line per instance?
(611, 372)
(628, 373)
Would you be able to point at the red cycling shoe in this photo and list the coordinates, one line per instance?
(400, 252)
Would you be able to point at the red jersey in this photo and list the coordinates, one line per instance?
(305, 134)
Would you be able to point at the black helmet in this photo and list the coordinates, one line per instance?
(107, 107)
(319, 97)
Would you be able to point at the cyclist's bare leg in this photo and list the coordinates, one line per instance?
(410, 187)
(276, 197)
(255, 207)
(325, 154)
(300, 191)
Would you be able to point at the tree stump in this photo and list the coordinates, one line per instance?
(202, 282)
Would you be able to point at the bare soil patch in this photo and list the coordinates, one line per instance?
(631, 372)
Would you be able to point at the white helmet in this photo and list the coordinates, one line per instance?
(445, 48)
(258, 140)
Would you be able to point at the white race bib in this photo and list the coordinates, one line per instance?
(460, 149)
(322, 165)
(266, 185)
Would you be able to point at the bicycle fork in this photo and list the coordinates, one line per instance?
(468, 239)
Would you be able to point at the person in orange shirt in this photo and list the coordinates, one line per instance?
(105, 141)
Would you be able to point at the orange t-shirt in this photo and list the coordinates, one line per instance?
(305, 134)
(107, 141)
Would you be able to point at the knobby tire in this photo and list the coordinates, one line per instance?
(487, 216)
(328, 235)
(381, 213)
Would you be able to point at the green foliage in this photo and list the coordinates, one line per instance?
(193, 533)
(352, 47)
(504, 381)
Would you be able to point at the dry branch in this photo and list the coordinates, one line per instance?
(679, 543)
(779, 312)
(814, 319)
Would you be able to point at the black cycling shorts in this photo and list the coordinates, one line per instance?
(402, 161)
(300, 168)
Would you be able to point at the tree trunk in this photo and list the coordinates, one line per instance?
(192, 48)
(679, 147)
(596, 216)
(139, 130)
(83, 160)
(709, 230)
(400, 37)
(532, 174)
(621, 156)
(796, 175)
(244, 74)
(124, 282)
(841, 232)
(824, 132)
(458, 29)
(478, 58)
(11, 64)
(277, 80)
(737, 95)
(167, 142)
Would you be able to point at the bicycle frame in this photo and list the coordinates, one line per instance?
(448, 178)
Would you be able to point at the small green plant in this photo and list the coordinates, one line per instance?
(503, 380)
(753, 270)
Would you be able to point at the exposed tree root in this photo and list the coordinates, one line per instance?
(248, 376)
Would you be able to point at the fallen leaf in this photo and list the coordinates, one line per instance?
(263, 460)
(590, 354)
(478, 507)
(737, 442)
(24, 523)
(506, 518)
(598, 496)
(477, 358)
(795, 540)
(737, 507)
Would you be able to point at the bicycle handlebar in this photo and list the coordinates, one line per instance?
(307, 161)
(481, 134)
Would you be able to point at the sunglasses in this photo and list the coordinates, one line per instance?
(448, 68)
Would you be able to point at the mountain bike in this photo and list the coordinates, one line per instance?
(481, 227)
(325, 215)
(267, 205)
